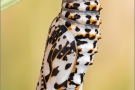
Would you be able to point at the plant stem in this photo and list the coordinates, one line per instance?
(8, 3)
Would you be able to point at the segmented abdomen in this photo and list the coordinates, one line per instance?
(80, 19)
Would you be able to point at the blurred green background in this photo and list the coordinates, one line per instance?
(24, 29)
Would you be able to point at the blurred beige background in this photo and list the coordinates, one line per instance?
(23, 35)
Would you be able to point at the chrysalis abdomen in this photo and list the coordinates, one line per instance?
(71, 45)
